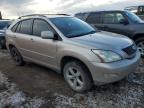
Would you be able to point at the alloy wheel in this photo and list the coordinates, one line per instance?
(74, 78)
(15, 56)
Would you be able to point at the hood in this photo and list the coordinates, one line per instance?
(104, 40)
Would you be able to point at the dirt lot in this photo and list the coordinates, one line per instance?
(34, 86)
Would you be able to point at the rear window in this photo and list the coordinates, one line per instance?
(14, 27)
(109, 18)
(94, 18)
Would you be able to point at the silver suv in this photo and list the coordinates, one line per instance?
(73, 48)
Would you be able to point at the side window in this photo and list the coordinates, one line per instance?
(118, 17)
(13, 29)
(39, 26)
(112, 18)
(18, 27)
(94, 18)
(26, 26)
(109, 18)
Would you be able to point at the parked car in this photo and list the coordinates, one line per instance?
(138, 10)
(4, 24)
(121, 22)
(73, 48)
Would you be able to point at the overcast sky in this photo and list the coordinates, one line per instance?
(15, 8)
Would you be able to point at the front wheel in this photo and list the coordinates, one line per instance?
(140, 45)
(77, 76)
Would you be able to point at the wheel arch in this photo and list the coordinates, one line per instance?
(67, 59)
(137, 36)
(10, 46)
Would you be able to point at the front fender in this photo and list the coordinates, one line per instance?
(82, 54)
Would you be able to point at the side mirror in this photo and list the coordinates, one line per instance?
(47, 35)
(123, 21)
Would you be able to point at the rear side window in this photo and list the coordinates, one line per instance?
(94, 18)
(25, 27)
(113, 18)
(14, 27)
(18, 28)
(39, 26)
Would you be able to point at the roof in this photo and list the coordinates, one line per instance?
(101, 11)
(44, 15)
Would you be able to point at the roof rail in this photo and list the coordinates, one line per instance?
(43, 15)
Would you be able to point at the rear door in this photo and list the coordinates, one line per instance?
(95, 20)
(111, 23)
(22, 37)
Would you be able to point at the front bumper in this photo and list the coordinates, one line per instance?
(103, 73)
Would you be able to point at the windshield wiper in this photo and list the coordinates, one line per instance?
(91, 32)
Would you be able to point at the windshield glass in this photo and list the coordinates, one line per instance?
(72, 27)
(133, 17)
(4, 24)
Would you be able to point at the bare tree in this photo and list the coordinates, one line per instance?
(0, 15)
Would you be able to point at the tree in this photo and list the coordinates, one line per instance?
(0, 15)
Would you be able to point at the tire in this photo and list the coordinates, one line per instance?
(16, 56)
(1, 43)
(77, 76)
(140, 44)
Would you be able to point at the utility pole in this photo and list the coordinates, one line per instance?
(0, 15)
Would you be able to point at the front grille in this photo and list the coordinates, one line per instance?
(130, 50)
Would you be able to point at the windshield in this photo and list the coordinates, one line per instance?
(4, 24)
(72, 27)
(133, 17)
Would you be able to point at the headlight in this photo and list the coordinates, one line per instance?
(107, 56)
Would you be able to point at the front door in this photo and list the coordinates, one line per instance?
(111, 23)
(44, 50)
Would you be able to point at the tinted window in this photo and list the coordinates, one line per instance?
(39, 26)
(112, 18)
(26, 26)
(118, 17)
(72, 27)
(94, 18)
(14, 27)
(18, 27)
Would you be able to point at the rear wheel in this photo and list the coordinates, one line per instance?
(140, 45)
(1, 43)
(77, 76)
(16, 56)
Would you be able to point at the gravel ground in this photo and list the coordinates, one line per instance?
(34, 86)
